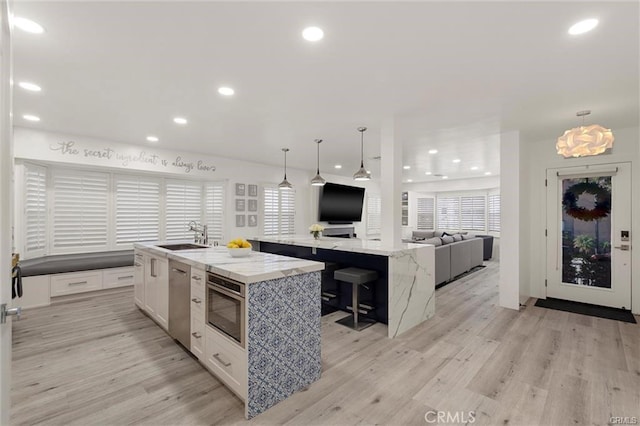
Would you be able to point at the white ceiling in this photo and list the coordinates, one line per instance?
(453, 75)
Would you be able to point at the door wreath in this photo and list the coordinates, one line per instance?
(599, 211)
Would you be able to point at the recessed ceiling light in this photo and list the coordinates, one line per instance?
(30, 117)
(338, 166)
(474, 168)
(32, 87)
(457, 160)
(487, 173)
(180, 120)
(28, 25)
(433, 151)
(152, 138)
(427, 173)
(226, 91)
(406, 167)
(409, 180)
(312, 34)
(445, 177)
(369, 171)
(583, 26)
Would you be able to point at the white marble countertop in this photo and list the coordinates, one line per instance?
(355, 245)
(254, 268)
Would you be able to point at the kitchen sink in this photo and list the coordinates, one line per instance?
(182, 246)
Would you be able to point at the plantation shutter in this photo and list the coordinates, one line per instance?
(214, 209)
(374, 214)
(287, 212)
(448, 213)
(80, 211)
(137, 209)
(183, 203)
(35, 210)
(426, 209)
(473, 212)
(270, 202)
(494, 212)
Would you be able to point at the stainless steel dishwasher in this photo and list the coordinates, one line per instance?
(179, 302)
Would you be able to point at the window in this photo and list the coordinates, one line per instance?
(494, 212)
(279, 211)
(137, 209)
(80, 204)
(214, 209)
(425, 213)
(472, 213)
(374, 214)
(35, 210)
(183, 201)
(448, 213)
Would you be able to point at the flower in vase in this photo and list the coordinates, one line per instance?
(315, 230)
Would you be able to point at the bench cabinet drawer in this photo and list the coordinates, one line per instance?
(117, 277)
(75, 282)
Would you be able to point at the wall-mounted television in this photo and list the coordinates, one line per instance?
(340, 203)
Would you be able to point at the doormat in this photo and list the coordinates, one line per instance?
(587, 309)
(470, 271)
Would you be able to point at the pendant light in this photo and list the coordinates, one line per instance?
(584, 141)
(362, 173)
(285, 183)
(318, 180)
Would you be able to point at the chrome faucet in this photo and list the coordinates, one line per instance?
(200, 233)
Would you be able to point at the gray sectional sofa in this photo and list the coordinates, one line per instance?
(455, 254)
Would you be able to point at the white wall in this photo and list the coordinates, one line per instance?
(541, 155)
(32, 145)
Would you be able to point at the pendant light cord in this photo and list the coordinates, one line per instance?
(285, 165)
(318, 164)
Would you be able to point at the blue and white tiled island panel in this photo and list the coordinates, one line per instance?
(406, 271)
(282, 298)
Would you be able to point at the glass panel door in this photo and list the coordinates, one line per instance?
(586, 231)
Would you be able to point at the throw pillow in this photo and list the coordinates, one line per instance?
(447, 239)
(457, 237)
(468, 237)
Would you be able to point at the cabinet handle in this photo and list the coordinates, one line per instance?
(153, 267)
(125, 278)
(180, 271)
(78, 283)
(217, 357)
(197, 278)
(196, 335)
(138, 264)
(196, 300)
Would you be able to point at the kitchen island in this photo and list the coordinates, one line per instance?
(279, 351)
(405, 290)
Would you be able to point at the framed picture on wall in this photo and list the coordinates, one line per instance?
(240, 189)
(253, 190)
(252, 205)
(240, 205)
(253, 220)
(240, 220)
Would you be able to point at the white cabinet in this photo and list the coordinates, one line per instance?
(138, 279)
(197, 304)
(162, 293)
(152, 291)
(227, 360)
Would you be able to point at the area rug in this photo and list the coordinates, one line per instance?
(587, 309)
(470, 271)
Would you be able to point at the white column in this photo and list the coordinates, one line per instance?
(510, 180)
(390, 184)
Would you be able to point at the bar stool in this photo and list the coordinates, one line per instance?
(356, 277)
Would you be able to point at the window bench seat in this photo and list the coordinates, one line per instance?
(50, 276)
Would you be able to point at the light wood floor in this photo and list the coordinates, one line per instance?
(97, 360)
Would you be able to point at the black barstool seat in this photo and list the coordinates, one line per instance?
(356, 277)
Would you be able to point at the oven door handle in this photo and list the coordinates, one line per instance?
(226, 292)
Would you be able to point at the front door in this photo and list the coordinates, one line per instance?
(589, 234)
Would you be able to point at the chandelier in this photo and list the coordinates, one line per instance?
(584, 141)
